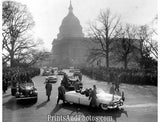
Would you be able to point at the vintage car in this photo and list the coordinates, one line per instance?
(60, 72)
(46, 73)
(26, 91)
(72, 84)
(104, 100)
(75, 83)
(71, 68)
(52, 79)
(77, 73)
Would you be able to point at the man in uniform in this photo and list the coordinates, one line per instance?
(117, 83)
(48, 90)
(61, 93)
(112, 90)
(80, 76)
(65, 80)
(93, 97)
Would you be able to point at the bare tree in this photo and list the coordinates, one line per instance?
(153, 37)
(124, 45)
(102, 33)
(154, 24)
(17, 21)
(147, 47)
(36, 56)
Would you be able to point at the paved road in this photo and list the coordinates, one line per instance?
(140, 105)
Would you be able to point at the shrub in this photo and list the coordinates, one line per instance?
(129, 76)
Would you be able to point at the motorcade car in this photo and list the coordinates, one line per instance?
(46, 73)
(54, 70)
(77, 73)
(60, 72)
(72, 83)
(104, 100)
(26, 91)
(52, 78)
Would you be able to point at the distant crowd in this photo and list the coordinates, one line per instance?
(129, 76)
(11, 76)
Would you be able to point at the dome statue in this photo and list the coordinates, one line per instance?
(70, 26)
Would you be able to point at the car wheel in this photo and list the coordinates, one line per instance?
(104, 106)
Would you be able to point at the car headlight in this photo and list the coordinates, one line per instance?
(35, 91)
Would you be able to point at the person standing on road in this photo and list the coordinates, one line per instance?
(48, 89)
(93, 97)
(112, 91)
(61, 93)
(117, 84)
(65, 80)
(114, 78)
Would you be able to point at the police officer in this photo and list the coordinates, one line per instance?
(80, 76)
(61, 93)
(65, 80)
(93, 97)
(112, 89)
(48, 90)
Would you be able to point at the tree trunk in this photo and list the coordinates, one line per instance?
(107, 51)
(12, 59)
(125, 63)
(107, 60)
(12, 55)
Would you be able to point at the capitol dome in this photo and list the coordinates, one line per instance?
(70, 26)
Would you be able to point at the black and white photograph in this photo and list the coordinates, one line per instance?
(79, 60)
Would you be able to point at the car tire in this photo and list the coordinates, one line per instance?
(103, 106)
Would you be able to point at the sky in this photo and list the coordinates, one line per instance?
(48, 14)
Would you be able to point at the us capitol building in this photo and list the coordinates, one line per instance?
(70, 47)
